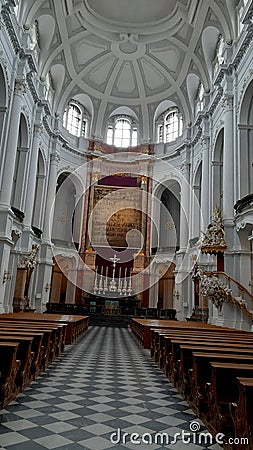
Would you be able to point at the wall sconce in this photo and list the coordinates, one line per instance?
(6, 277)
(48, 286)
(177, 295)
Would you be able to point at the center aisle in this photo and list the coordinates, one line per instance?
(102, 384)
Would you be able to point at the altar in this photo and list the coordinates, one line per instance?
(116, 234)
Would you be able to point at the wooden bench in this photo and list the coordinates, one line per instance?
(171, 351)
(222, 391)
(183, 367)
(37, 348)
(24, 355)
(9, 366)
(57, 334)
(189, 355)
(242, 413)
(76, 325)
(142, 328)
(34, 340)
(200, 376)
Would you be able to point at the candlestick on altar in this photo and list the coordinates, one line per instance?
(129, 290)
(106, 281)
(101, 281)
(125, 283)
(95, 288)
(120, 283)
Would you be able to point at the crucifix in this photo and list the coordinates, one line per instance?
(114, 261)
(113, 287)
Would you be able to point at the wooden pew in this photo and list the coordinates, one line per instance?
(25, 356)
(76, 325)
(9, 366)
(172, 351)
(222, 391)
(184, 366)
(142, 328)
(37, 349)
(188, 355)
(201, 375)
(54, 332)
(242, 414)
(34, 340)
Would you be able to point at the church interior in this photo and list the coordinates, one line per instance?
(126, 224)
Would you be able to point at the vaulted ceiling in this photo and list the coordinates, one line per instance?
(141, 54)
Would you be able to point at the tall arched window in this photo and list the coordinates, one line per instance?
(75, 119)
(169, 126)
(122, 131)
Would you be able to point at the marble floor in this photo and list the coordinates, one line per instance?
(104, 392)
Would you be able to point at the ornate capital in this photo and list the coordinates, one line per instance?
(185, 168)
(205, 141)
(38, 129)
(20, 87)
(55, 158)
(227, 102)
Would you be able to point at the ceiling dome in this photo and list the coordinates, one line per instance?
(132, 53)
(132, 11)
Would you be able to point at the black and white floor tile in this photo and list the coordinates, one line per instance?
(103, 393)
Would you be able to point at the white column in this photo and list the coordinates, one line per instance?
(32, 176)
(205, 192)
(51, 191)
(11, 153)
(228, 170)
(184, 212)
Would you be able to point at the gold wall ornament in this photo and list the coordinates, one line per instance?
(95, 176)
(144, 179)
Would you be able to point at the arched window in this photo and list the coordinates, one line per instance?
(169, 126)
(75, 119)
(122, 131)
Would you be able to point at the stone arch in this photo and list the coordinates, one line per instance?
(167, 210)
(21, 166)
(67, 222)
(3, 89)
(196, 202)
(3, 111)
(217, 171)
(39, 198)
(245, 175)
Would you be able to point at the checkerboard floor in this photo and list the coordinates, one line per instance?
(102, 384)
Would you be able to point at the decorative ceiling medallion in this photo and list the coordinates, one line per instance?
(129, 48)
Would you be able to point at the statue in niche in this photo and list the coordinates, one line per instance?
(27, 264)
